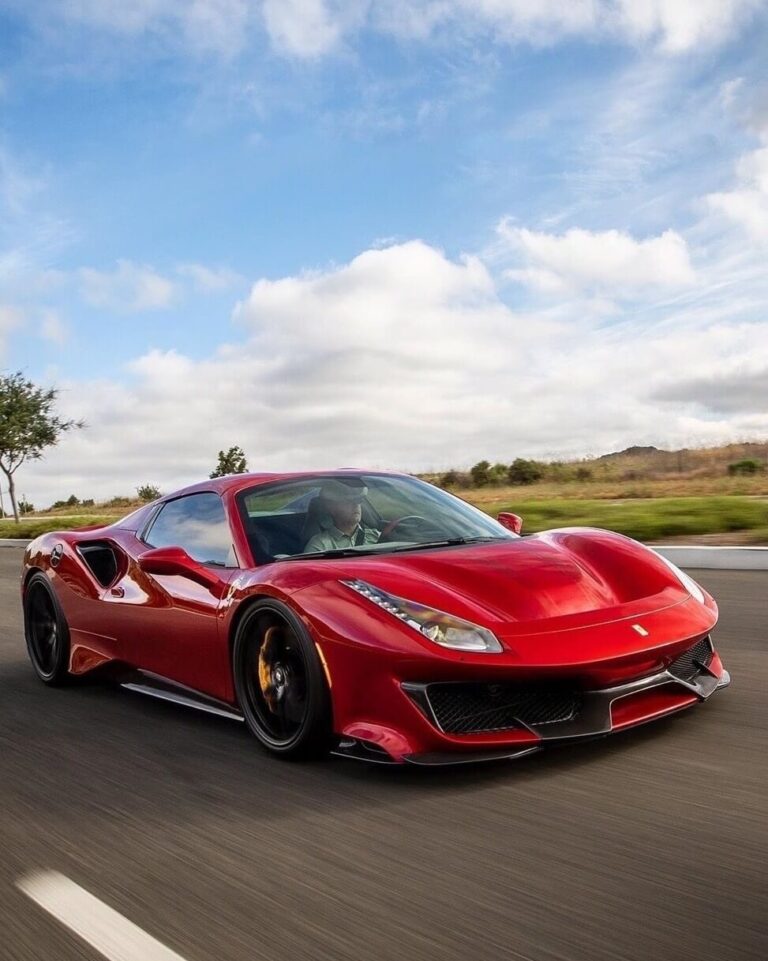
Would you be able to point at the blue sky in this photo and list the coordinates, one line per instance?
(396, 233)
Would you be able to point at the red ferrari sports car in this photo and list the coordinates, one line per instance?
(374, 615)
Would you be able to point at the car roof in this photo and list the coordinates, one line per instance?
(236, 482)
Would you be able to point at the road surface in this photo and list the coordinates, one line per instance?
(648, 846)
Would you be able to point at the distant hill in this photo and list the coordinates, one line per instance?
(634, 452)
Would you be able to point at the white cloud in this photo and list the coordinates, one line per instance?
(369, 305)
(747, 205)
(129, 287)
(313, 28)
(309, 28)
(680, 25)
(406, 358)
(210, 279)
(539, 21)
(674, 26)
(53, 328)
(607, 263)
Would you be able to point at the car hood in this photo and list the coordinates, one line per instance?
(524, 584)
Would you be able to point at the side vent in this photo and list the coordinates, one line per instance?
(102, 560)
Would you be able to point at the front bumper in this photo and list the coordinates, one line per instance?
(526, 724)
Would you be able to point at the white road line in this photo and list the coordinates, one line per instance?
(103, 928)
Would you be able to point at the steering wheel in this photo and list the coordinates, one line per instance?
(407, 519)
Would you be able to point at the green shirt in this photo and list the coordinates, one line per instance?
(331, 538)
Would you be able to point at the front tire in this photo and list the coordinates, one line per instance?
(280, 682)
(46, 632)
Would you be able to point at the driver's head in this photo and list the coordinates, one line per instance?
(343, 503)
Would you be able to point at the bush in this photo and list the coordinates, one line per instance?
(87, 503)
(148, 492)
(498, 474)
(744, 468)
(119, 502)
(71, 501)
(481, 473)
(523, 471)
(26, 508)
(583, 474)
(449, 479)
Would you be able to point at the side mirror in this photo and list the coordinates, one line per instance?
(512, 522)
(176, 561)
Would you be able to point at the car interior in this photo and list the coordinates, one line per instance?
(287, 531)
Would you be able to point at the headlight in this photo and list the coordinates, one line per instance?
(688, 582)
(437, 626)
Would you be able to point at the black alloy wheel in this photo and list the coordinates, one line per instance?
(46, 631)
(280, 682)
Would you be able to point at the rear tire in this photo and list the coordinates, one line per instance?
(280, 682)
(46, 632)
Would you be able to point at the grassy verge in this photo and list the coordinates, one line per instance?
(42, 525)
(646, 520)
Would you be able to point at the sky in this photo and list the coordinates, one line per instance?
(381, 233)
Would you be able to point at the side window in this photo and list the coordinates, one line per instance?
(197, 523)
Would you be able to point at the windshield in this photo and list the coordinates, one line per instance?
(355, 514)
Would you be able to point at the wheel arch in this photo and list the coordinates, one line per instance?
(29, 574)
(239, 614)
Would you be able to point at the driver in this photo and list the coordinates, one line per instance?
(340, 519)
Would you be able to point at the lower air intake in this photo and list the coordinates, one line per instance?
(688, 665)
(478, 708)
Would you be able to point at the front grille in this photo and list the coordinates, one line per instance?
(688, 665)
(476, 708)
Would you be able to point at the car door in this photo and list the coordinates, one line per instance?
(169, 623)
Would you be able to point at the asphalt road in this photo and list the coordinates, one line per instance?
(648, 846)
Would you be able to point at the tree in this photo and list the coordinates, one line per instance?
(148, 492)
(231, 462)
(498, 473)
(28, 425)
(522, 471)
(480, 473)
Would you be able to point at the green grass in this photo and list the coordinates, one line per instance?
(42, 525)
(646, 520)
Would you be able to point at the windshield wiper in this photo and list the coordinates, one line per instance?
(450, 542)
(333, 552)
